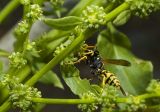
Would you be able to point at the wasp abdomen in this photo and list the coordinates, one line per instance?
(111, 79)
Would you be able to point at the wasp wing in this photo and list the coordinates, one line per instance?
(117, 62)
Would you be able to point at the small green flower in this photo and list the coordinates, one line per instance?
(25, 2)
(108, 99)
(30, 46)
(16, 60)
(35, 12)
(135, 104)
(88, 107)
(57, 3)
(21, 96)
(154, 86)
(62, 46)
(93, 16)
(22, 28)
(143, 8)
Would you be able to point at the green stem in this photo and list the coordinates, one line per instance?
(110, 16)
(5, 106)
(62, 101)
(65, 52)
(140, 97)
(10, 7)
(56, 60)
(146, 96)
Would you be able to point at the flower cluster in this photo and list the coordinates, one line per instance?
(21, 96)
(143, 8)
(4, 79)
(35, 12)
(25, 2)
(93, 16)
(108, 99)
(57, 3)
(22, 28)
(135, 104)
(88, 107)
(62, 46)
(17, 60)
(153, 87)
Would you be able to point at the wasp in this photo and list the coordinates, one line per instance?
(91, 56)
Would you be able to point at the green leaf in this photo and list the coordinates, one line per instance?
(66, 23)
(50, 77)
(77, 85)
(122, 18)
(134, 79)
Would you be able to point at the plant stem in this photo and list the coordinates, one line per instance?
(10, 6)
(5, 106)
(140, 97)
(63, 101)
(56, 60)
(146, 96)
(64, 53)
(110, 16)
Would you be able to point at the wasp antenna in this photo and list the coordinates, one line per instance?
(123, 92)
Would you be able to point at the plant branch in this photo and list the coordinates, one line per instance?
(10, 7)
(56, 60)
(63, 101)
(110, 16)
(64, 53)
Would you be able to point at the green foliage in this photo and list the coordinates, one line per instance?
(66, 23)
(115, 49)
(77, 85)
(49, 78)
(143, 8)
(28, 62)
(122, 18)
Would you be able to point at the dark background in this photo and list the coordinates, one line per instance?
(144, 35)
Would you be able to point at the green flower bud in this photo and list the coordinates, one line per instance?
(135, 104)
(35, 12)
(143, 8)
(22, 28)
(16, 60)
(93, 16)
(21, 96)
(25, 2)
(154, 86)
(88, 107)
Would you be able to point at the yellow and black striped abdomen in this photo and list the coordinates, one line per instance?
(111, 79)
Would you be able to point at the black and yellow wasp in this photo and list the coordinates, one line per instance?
(92, 58)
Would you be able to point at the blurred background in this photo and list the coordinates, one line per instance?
(144, 35)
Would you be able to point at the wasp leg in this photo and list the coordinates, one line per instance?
(79, 60)
(86, 47)
(90, 52)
